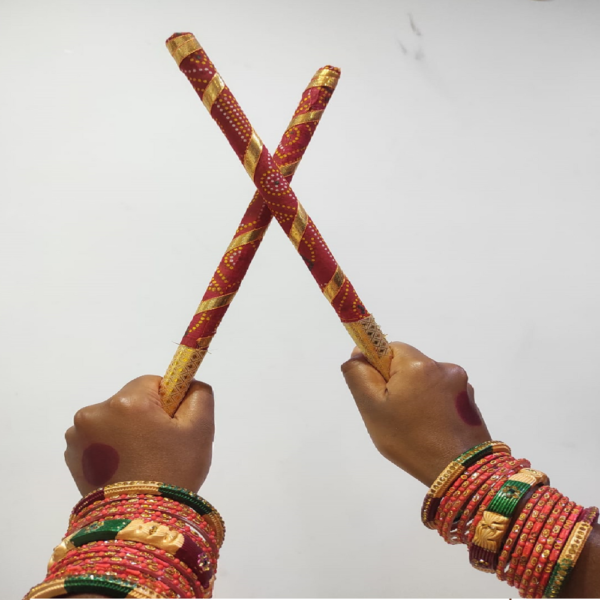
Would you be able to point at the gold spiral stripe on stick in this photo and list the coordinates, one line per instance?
(246, 238)
(176, 382)
(289, 169)
(326, 78)
(313, 115)
(252, 155)
(213, 89)
(217, 302)
(330, 291)
(182, 46)
(298, 226)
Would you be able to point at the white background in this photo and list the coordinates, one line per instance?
(455, 177)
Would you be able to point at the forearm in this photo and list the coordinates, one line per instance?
(515, 525)
(136, 539)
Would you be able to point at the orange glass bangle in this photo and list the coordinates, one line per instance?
(546, 539)
(471, 497)
(461, 490)
(458, 536)
(520, 556)
(534, 546)
(497, 481)
(515, 532)
(449, 475)
(571, 552)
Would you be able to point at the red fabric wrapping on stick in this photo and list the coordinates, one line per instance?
(278, 195)
(228, 277)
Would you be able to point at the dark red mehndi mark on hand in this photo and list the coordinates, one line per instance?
(466, 409)
(100, 462)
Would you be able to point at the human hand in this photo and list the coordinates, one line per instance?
(129, 437)
(421, 419)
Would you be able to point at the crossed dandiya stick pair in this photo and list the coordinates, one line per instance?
(274, 198)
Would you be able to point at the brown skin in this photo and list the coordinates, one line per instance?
(414, 422)
(151, 446)
(412, 419)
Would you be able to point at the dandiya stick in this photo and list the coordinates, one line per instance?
(228, 277)
(276, 192)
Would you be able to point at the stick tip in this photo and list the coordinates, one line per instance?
(181, 45)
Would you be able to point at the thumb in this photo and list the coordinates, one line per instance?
(365, 382)
(197, 410)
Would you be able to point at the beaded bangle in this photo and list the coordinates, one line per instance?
(528, 538)
(515, 531)
(494, 524)
(546, 540)
(156, 578)
(476, 503)
(492, 486)
(161, 542)
(554, 544)
(111, 507)
(451, 473)
(561, 530)
(454, 513)
(128, 554)
(179, 545)
(534, 546)
(90, 584)
(466, 516)
(148, 512)
(570, 554)
(124, 549)
(454, 493)
(154, 488)
(455, 489)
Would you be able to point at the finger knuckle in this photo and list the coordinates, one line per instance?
(423, 367)
(350, 365)
(208, 388)
(70, 435)
(122, 403)
(458, 375)
(81, 418)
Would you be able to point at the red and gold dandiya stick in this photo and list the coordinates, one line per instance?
(228, 277)
(278, 195)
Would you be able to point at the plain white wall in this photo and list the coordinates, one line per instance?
(455, 177)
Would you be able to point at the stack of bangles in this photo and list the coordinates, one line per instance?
(512, 521)
(137, 539)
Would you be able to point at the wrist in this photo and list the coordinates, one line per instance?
(142, 538)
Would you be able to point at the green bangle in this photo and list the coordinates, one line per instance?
(451, 473)
(95, 584)
(496, 519)
(508, 496)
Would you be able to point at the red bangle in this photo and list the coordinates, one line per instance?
(115, 568)
(560, 531)
(455, 488)
(546, 539)
(122, 550)
(499, 478)
(530, 534)
(476, 476)
(159, 514)
(457, 532)
(531, 528)
(151, 503)
(516, 530)
(535, 544)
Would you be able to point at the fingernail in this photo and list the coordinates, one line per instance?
(356, 353)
